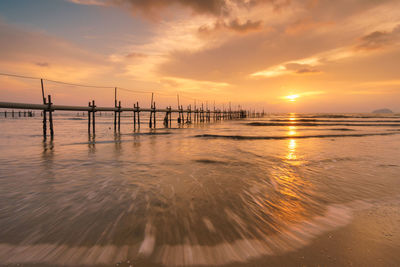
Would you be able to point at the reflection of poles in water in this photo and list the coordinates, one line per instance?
(117, 141)
(92, 143)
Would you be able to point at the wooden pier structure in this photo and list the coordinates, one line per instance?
(188, 115)
(185, 115)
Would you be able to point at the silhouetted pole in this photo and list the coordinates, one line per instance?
(170, 116)
(89, 122)
(151, 111)
(44, 111)
(119, 116)
(134, 116)
(115, 112)
(154, 114)
(50, 117)
(138, 114)
(94, 117)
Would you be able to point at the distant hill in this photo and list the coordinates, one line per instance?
(383, 110)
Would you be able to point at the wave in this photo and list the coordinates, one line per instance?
(209, 161)
(149, 133)
(352, 116)
(284, 137)
(341, 129)
(318, 120)
(242, 250)
(320, 124)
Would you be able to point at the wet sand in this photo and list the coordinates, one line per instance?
(371, 239)
(122, 200)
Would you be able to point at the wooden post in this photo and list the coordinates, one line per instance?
(138, 114)
(170, 116)
(154, 114)
(202, 113)
(165, 122)
(119, 116)
(115, 112)
(44, 111)
(151, 111)
(188, 117)
(94, 117)
(44, 120)
(134, 116)
(89, 118)
(50, 117)
(151, 116)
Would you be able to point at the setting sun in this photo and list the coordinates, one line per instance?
(292, 98)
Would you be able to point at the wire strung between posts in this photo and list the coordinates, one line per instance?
(93, 86)
(55, 81)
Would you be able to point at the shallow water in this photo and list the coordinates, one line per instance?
(204, 194)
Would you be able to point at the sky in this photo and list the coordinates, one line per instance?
(276, 55)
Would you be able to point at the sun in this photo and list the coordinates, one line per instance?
(292, 98)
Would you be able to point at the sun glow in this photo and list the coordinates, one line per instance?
(292, 98)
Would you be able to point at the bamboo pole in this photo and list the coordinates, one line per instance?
(154, 114)
(115, 112)
(119, 116)
(134, 116)
(94, 117)
(89, 118)
(50, 117)
(151, 111)
(44, 112)
(138, 114)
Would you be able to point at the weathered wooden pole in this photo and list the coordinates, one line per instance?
(89, 118)
(138, 114)
(189, 114)
(44, 120)
(202, 113)
(94, 117)
(165, 122)
(115, 112)
(170, 116)
(50, 116)
(154, 114)
(44, 111)
(151, 111)
(179, 110)
(119, 116)
(181, 118)
(134, 116)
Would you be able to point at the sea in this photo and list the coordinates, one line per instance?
(230, 192)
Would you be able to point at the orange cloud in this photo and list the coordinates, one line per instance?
(379, 39)
(234, 25)
(305, 24)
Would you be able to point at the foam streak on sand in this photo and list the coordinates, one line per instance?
(241, 250)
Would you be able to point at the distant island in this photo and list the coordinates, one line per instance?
(383, 110)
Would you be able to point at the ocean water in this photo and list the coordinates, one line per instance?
(206, 194)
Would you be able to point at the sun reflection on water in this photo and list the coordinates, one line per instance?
(292, 130)
(291, 150)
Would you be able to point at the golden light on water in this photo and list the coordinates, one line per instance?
(292, 150)
(292, 130)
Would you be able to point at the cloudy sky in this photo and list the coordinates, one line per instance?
(281, 55)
